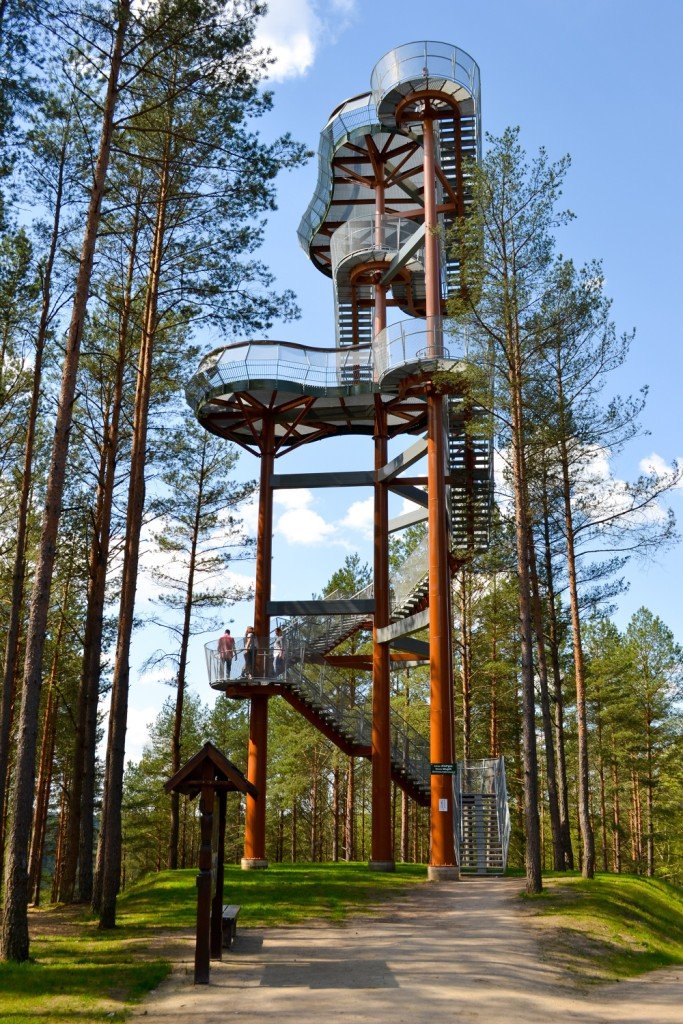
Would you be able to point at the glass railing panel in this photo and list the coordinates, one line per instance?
(366, 234)
(410, 341)
(424, 60)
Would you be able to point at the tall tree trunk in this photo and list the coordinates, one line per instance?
(603, 798)
(294, 825)
(587, 836)
(176, 753)
(15, 937)
(59, 842)
(649, 804)
(314, 807)
(558, 696)
(349, 829)
(616, 813)
(81, 835)
(493, 692)
(465, 662)
(551, 770)
(16, 603)
(335, 809)
(109, 845)
(44, 783)
(530, 760)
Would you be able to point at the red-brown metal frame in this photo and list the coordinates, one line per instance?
(242, 410)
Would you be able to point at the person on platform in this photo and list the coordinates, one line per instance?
(249, 652)
(278, 652)
(226, 652)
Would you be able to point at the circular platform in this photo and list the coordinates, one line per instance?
(307, 393)
(425, 67)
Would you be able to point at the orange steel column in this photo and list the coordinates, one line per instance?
(442, 863)
(382, 854)
(255, 823)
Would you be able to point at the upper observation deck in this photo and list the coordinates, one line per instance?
(371, 165)
(440, 71)
(312, 392)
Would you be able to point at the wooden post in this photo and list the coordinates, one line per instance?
(202, 952)
(219, 872)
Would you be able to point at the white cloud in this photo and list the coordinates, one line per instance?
(361, 516)
(658, 466)
(293, 30)
(299, 498)
(137, 730)
(304, 526)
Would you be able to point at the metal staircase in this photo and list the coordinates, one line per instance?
(482, 819)
(470, 456)
(354, 323)
(456, 164)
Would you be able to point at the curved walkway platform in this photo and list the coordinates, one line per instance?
(447, 954)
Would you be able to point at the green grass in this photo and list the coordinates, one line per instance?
(284, 894)
(79, 979)
(614, 926)
(79, 975)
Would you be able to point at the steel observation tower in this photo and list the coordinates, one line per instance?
(393, 176)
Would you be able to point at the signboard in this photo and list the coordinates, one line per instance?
(443, 769)
(443, 805)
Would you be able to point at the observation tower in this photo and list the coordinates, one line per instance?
(394, 170)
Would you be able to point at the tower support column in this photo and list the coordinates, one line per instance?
(382, 852)
(442, 863)
(257, 758)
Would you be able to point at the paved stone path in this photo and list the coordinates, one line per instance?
(447, 954)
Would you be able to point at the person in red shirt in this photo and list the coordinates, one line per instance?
(226, 652)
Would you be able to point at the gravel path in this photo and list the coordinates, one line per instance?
(448, 954)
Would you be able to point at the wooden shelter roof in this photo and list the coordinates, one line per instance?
(221, 773)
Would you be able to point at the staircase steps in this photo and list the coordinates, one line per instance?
(482, 819)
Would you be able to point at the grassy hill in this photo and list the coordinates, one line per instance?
(615, 926)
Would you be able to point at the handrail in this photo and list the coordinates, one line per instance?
(428, 64)
(386, 234)
(418, 341)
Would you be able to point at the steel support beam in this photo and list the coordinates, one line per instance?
(411, 493)
(409, 645)
(407, 250)
(350, 478)
(407, 458)
(341, 607)
(442, 863)
(404, 627)
(407, 519)
(257, 755)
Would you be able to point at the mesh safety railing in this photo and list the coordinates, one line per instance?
(354, 116)
(254, 363)
(428, 62)
(364, 234)
(418, 340)
(485, 777)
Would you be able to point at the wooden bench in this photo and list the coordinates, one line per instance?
(229, 919)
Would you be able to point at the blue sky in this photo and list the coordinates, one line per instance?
(599, 79)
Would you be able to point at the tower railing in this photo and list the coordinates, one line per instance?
(364, 234)
(427, 63)
(480, 803)
(418, 342)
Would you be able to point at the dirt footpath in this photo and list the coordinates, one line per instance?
(448, 954)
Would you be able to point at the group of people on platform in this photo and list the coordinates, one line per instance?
(256, 663)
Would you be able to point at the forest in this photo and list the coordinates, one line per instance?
(134, 193)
